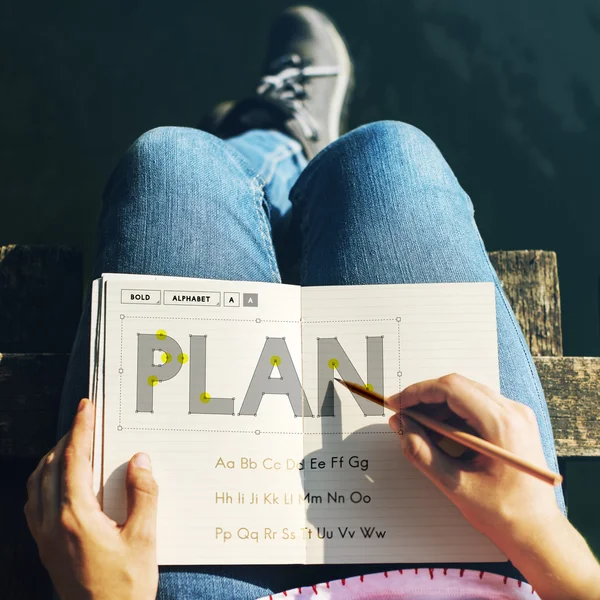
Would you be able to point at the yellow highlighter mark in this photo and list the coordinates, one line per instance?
(205, 397)
(161, 334)
(183, 358)
(333, 363)
(166, 358)
(275, 360)
(153, 380)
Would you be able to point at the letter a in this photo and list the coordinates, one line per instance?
(288, 383)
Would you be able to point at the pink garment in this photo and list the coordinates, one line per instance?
(416, 584)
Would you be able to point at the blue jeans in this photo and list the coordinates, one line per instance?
(379, 205)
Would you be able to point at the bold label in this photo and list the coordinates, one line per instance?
(140, 296)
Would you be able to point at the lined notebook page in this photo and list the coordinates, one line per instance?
(366, 502)
(218, 474)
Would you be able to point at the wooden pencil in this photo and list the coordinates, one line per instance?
(462, 437)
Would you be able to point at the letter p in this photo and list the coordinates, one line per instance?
(148, 374)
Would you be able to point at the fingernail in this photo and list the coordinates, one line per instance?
(142, 461)
(82, 404)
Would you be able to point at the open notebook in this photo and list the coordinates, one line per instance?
(260, 457)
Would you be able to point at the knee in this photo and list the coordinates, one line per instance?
(385, 166)
(163, 147)
(396, 136)
(397, 148)
(165, 157)
(394, 132)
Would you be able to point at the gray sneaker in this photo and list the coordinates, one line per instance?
(305, 88)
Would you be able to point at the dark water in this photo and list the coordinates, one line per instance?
(510, 92)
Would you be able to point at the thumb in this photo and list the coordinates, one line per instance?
(142, 499)
(422, 452)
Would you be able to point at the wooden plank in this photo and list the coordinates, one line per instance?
(40, 298)
(530, 282)
(30, 388)
(572, 388)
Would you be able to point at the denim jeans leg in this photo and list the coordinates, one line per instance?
(279, 160)
(381, 205)
(182, 202)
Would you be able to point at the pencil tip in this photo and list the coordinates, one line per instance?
(338, 380)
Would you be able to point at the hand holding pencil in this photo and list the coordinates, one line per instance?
(492, 494)
(461, 439)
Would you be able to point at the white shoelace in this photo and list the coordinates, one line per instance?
(287, 89)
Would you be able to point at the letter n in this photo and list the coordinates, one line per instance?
(331, 357)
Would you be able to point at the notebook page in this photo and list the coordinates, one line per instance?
(366, 502)
(224, 478)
